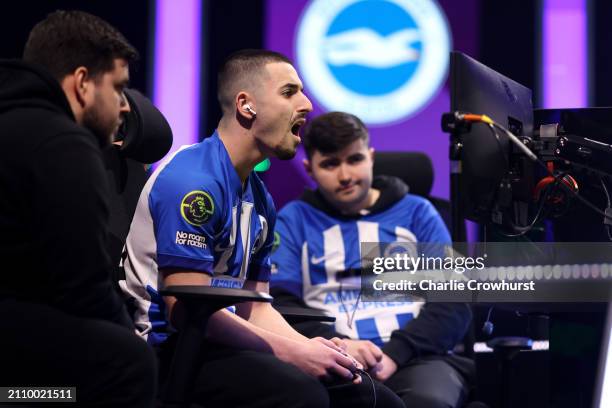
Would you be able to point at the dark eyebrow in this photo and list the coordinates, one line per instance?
(329, 159)
(291, 86)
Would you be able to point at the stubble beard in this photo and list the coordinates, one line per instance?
(285, 152)
(93, 120)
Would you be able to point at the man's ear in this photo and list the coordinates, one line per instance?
(245, 107)
(83, 87)
(372, 151)
(307, 166)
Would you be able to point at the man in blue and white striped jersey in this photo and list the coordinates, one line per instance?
(404, 344)
(205, 218)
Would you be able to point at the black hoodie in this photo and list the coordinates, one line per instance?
(437, 328)
(53, 201)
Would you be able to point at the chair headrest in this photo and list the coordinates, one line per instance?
(413, 168)
(146, 134)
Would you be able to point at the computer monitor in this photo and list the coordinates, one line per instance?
(486, 159)
(603, 390)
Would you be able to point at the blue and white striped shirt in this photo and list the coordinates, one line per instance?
(194, 214)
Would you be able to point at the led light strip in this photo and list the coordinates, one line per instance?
(564, 54)
(176, 85)
(538, 345)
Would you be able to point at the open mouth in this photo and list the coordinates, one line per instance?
(295, 129)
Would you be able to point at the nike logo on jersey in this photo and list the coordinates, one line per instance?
(317, 260)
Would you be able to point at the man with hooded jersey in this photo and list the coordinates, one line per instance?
(405, 345)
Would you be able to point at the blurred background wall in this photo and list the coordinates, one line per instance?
(558, 48)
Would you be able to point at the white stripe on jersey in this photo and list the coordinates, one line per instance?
(221, 266)
(404, 235)
(333, 250)
(305, 270)
(368, 232)
(245, 231)
(387, 323)
(263, 236)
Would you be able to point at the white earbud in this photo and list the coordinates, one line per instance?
(248, 108)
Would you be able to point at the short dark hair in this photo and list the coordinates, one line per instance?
(241, 68)
(332, 132)
(66, 40)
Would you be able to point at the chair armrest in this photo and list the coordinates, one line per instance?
(214, 296)
(200, 302)
(302, 314)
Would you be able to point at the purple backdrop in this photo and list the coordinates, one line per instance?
(421, 132)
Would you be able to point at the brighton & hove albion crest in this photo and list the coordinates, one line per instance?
(382, 60)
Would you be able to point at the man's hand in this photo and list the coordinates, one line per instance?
(339, 342)
(335, 343)
(364, 351)
(384, 369)
(321, 358)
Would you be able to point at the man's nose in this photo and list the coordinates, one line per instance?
(306, 105)
(124, 105)
(344, 176)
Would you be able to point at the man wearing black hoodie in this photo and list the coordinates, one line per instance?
(405, 345)
(62, 322)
